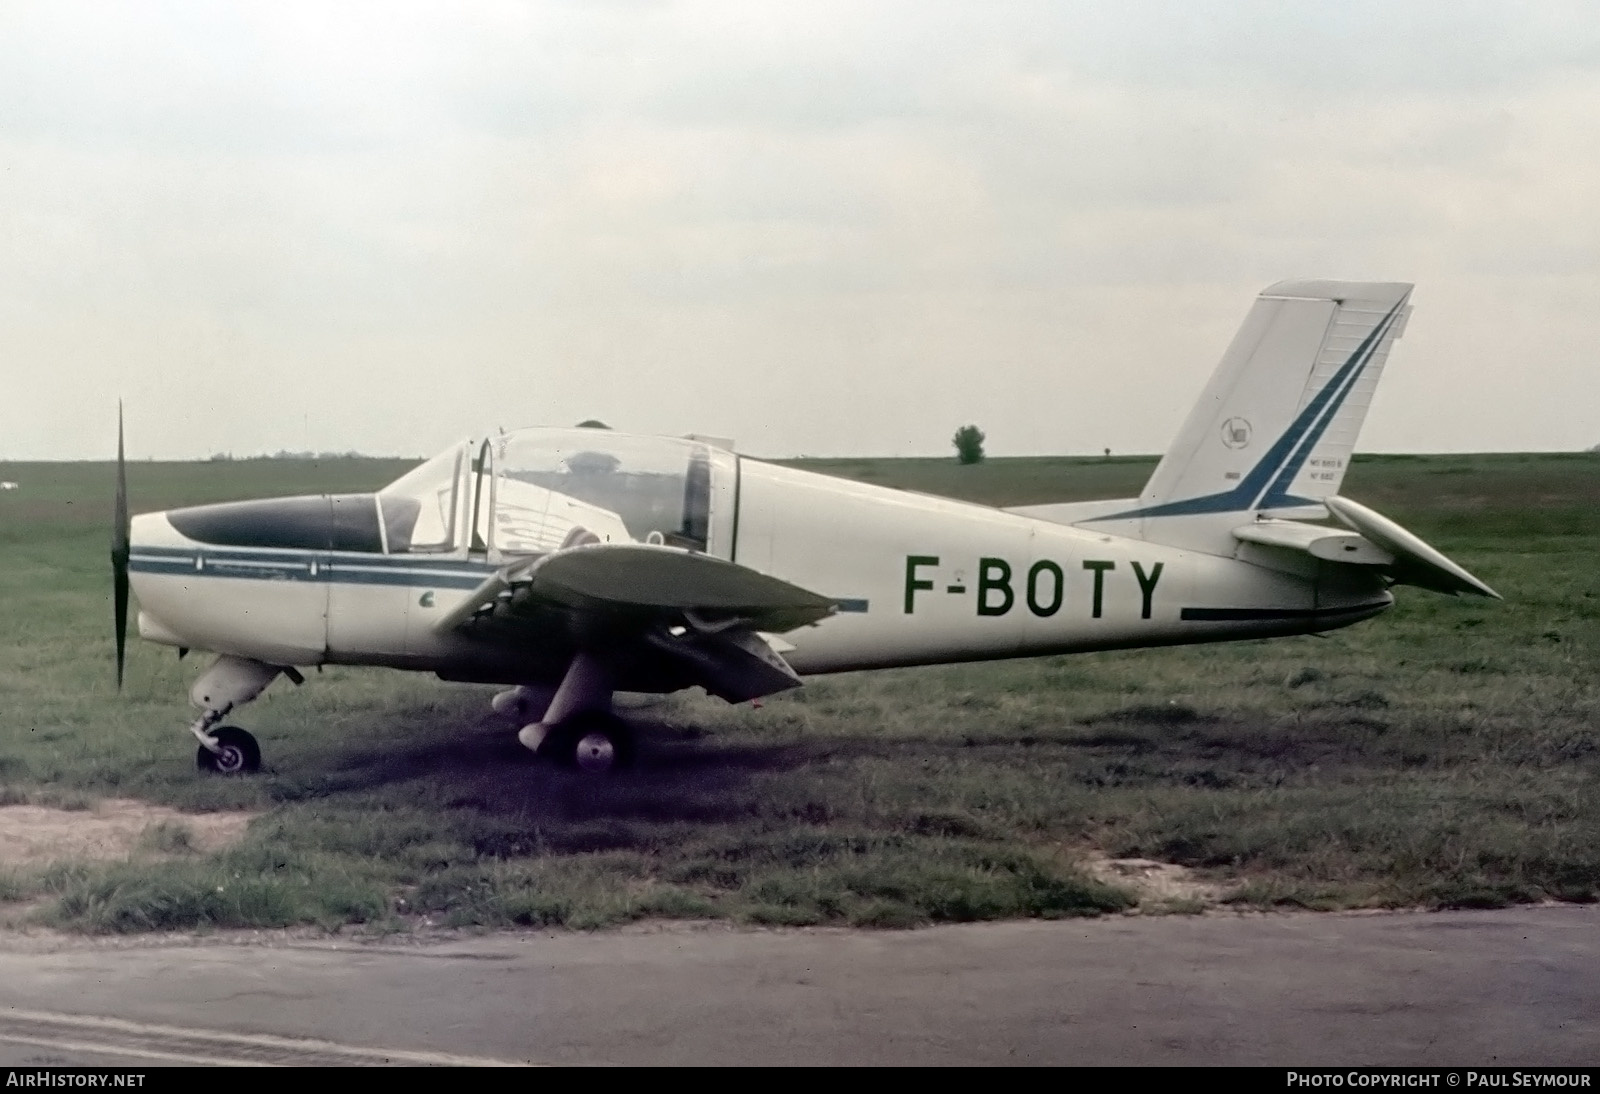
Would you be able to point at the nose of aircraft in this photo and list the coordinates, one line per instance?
(156, 549)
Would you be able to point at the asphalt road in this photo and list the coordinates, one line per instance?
(1517, 986)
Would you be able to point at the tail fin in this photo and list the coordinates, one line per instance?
(1273, 433)
(1274, 429)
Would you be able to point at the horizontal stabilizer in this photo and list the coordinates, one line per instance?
(1332, 544)
(1415, 563)
(1368, 539)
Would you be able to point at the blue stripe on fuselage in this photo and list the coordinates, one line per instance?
(317, 566)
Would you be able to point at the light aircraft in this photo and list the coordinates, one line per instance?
(574, 563)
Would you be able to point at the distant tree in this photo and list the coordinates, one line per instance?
(969, 444)
(592, 423)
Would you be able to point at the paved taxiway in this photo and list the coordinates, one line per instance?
(1517, 986)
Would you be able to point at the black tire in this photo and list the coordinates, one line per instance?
(238, 753)
(595, 743)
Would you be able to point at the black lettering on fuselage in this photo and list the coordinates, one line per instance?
(1099, 569)
(994, 575)
(1147, 585)
(913, 583)
(1045, 590)
(1040, 608)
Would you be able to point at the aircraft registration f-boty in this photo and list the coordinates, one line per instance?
(575, 563)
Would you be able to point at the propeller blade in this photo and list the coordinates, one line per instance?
(119, 552)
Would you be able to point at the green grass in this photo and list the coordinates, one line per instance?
(1445, 754)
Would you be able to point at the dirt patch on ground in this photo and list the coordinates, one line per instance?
(1159, 886)
(32, 835)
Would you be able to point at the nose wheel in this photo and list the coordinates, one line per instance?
(236, 753)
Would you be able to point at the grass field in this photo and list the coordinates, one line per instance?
(1444, 754)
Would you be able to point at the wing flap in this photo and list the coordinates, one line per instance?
(735, 666)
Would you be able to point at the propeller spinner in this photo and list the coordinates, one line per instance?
(119, 552)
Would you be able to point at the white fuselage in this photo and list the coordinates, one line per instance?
(918, 579)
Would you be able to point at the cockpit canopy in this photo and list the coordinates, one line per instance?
(539, 490)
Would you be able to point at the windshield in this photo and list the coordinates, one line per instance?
(419, 508)
(557, 488)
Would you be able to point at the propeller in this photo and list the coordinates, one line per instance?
(119, 552)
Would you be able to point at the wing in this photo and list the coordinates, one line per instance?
(661, 614)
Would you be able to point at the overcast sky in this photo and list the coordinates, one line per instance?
(819, 228)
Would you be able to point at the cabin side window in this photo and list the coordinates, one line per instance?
(558, 488)
(419, 508)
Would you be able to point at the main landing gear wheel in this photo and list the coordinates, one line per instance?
(595, 743)
(237, 753)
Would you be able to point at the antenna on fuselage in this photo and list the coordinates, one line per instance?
(120, 552)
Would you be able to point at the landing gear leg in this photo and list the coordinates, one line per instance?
(230, 682)
(579, 728)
